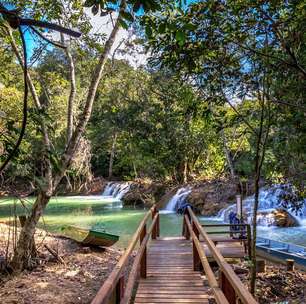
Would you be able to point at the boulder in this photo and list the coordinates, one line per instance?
(162, 202)
(210, 197)
(278, 217)
(133, 198)
(143, 193)
(284, 219)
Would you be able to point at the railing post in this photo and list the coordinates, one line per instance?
(249, 241)
(196, 257)
(184, 227)
(226, 287)
(119, 290)
(154, 231)
(157, 225)
(143, 262)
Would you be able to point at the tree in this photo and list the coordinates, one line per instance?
(231, 51)
(54, 168)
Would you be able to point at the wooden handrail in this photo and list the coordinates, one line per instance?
(240, 290)
(212, 281)
(223, 225)
(136, 264)
(107, 289)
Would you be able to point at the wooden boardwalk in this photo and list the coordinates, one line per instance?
(170, 275)
(175, 269)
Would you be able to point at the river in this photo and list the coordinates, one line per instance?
(105, 213)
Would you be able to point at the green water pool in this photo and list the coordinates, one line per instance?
(94, 212)
(107, 214)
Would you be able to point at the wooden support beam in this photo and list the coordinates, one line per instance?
(290, 264)
(120, 290)
(154, 231)
(158, 225)
(227, 288)
(196, 257)
(143, 262)
(260, 266)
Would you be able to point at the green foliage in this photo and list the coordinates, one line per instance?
(208, 63)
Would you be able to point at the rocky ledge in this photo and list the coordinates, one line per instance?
(144, 193)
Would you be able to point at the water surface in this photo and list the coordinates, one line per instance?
(107, 214)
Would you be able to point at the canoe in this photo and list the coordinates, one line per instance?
(282, 250)
(90, 237)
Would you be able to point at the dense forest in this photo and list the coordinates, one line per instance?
(194, 111)
(220, 95)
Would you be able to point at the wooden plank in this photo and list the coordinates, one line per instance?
(110, 284)
(170, 275)
(164, 300)
(240, 289)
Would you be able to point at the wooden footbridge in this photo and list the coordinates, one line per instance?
(175, 269)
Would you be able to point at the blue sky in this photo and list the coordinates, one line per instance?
(97, 21)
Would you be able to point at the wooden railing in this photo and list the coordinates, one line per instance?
(114, 289)
(229, 289)
(242, 229)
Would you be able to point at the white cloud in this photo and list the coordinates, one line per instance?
(104, 25)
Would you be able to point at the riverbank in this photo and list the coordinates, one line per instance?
(277, 285)
(83, 270)
(74, 280)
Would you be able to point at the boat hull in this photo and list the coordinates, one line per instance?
(90, 237)
(281, 251)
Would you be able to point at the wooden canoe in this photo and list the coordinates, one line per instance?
(282, 251)
(90, 237)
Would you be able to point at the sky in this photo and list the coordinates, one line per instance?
(102, 25)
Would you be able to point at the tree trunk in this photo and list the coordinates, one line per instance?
(259, 159)
(228, 156)
(235, 178)
(22, 254)
(112, 155)
(22, 258)
(85, 116)
(71, 95)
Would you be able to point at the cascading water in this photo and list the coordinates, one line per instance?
(116, 190)
(178, 199)
(270, 199)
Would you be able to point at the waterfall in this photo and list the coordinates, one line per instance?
(270, 199)
(178, 199)
(116, 190)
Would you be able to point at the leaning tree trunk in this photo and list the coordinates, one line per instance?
(22, 256)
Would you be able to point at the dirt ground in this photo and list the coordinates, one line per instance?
(279, 286)
(84, 270)
(76, 280)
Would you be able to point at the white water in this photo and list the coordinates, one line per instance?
(178, 199)
(270, 199)
(116, 190)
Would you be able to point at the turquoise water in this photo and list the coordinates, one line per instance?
(106, 214)
(94, 212)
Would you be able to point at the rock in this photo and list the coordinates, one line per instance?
(283, 219)
(278, 217)
(211, 197)
(96, 186)
(161, 204)
(133, 198)
(143, 193)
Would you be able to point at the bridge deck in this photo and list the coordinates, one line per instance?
(170, 275)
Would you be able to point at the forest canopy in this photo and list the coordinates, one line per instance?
(192, 112)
